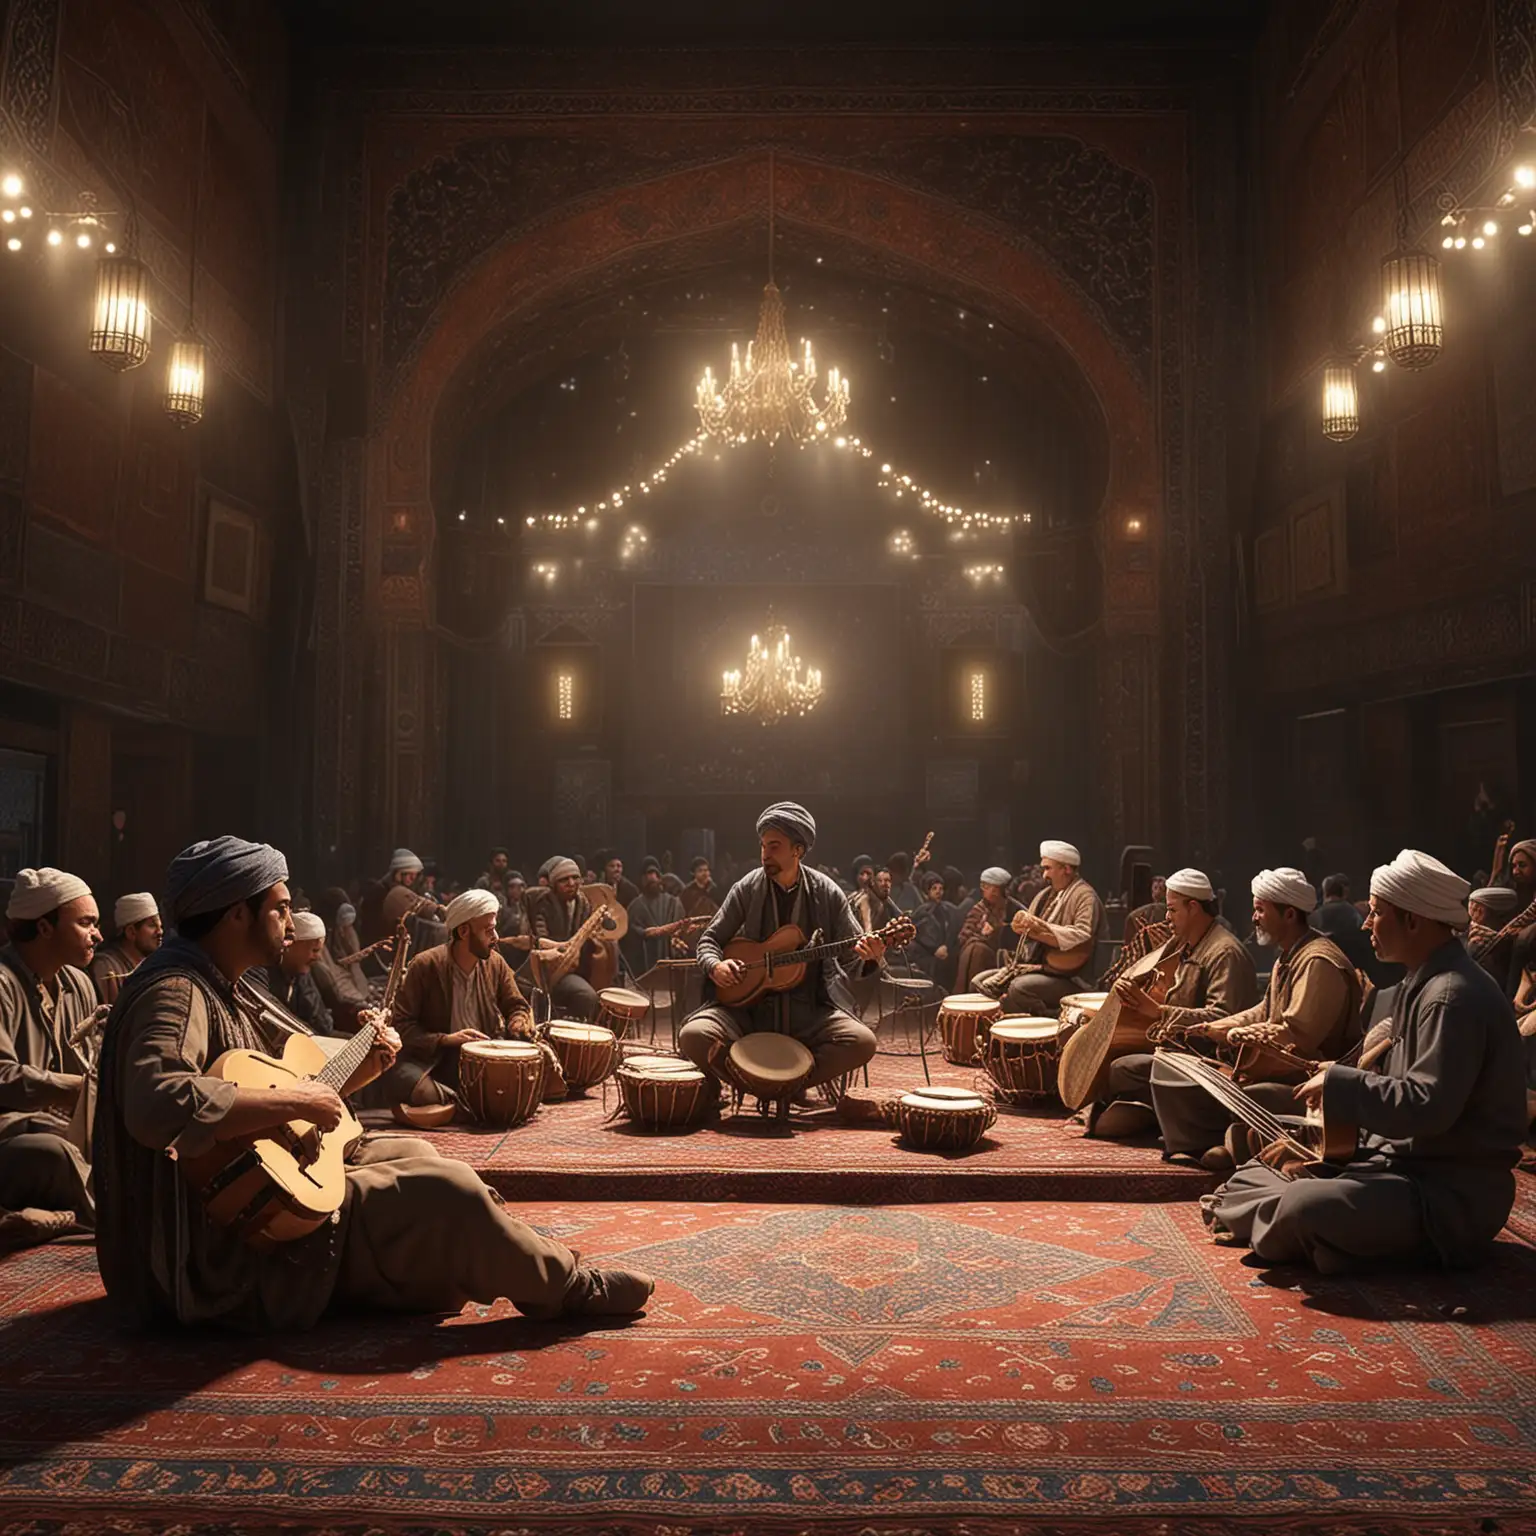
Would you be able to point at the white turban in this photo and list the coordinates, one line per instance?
(133, 908)
(1497, 898)
(1062, 853)
(37, 892)
(1418, 883)
(467, 906)
(996, 875)
(1286, 888)
(403, 859)
(1194, 883)
(307, 925)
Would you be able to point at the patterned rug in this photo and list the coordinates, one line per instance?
(577, 1149)
(979, 1367)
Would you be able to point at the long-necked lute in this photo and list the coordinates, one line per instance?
(550, 973)
(778, 963)
(1111, 1033)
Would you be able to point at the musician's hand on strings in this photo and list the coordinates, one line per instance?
(1135, 1001)
(1311, 1091)
(871, 947)
(1254, 1034)
(464, 1036)
(1028, 923)
(727, 973)
(386, 1041)
(315, 1102)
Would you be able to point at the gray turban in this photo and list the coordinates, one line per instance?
(995, 874)
(402, 860)
(212, 875)
(562, 867)
(1496, 898)
(794, 821)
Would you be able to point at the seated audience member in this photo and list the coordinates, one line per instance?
(905, 895)
(344, 989)
(136, 936)
(938, 925)
(700, 897)
(47, 1012)
(289, 982)
(1154, 910)
(611, 873)
(654, 917)
(387, 900)
(1442, 1114)
(1338, 914)
(985, 927)
(493, 877)
(873, 905)
(1513, 948)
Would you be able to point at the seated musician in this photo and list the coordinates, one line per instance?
(136, 932)
(416, 1232)
(1511, 947)
(1067, 915)
(1214, 980)
(290, 983)
(1489, 907)
(872, 904)
(453, 993)
(782, 892)
(1310, 1012)
(984, 927)
(386, 901)
(1442, 1114)
(564, 908)
(47, 1007)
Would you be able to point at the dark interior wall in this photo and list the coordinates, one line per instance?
(1391, 600)
(174, 112)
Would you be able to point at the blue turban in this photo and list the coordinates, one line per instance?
(794, 821)
(212, 875)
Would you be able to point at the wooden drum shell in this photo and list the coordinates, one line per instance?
(943, 1124)
(962, 1018)
(501, 1081)
(1022, 1058)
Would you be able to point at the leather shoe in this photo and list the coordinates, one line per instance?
(1243, 1144)
(606, 1293)
(29, 1226)
(1217, 1160)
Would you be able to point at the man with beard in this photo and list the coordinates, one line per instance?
(984, 928)
(1311, 1010)
(1067, 915)
(493, 877)
(563, 910)
(416, 1232)
(700, 897)
(1513, 948)
(654, 916)
(459, 991)
(873, 905)
(47, 1007)
(137, 933)
(783, 891)
(386, 901)
(290, 983)
(1442, 1115)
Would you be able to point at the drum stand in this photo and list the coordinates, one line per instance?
(910, 1019)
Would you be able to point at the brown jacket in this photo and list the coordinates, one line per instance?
(1214, 980)
(1312, 1007)
(40, 1070)
(424, 1009)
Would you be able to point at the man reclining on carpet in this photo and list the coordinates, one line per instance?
(415, 1232)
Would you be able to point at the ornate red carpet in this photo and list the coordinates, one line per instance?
(1096, 1368)
(577, 1150)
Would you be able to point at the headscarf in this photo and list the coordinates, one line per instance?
(995, 874)
(133, 908)
(561, 867)
(1194, 883)
(37, 892)
(466, 907)
(1416, 882)
(307, 925)
(1286, 888)
(403, 859)
(1526, 845)
(215, 874)
(549, 864)
(794, 821)
(1062, 853)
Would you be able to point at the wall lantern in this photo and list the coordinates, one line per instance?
(184, 383)
(1341, 402)
(120, 318)
(1411, 306)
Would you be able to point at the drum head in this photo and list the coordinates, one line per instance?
(945, 1094)
(772, 1057)
(572, 1029)
(501, 1050)
(622, 998)
(684, 1077)
(926, 1099)
(1089, 1002)
(1025, 1029)
(970, 1002)
(652, 1065)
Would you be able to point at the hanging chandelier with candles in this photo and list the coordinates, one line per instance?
(772, 687)
(769, 395)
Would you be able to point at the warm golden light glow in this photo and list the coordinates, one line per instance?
(120, 318)
(772, 686)
(184, 380)
(1415, 329)
(565, 696)
(1341, 402)
(978, 697)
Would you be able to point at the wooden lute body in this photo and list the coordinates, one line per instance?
(1112, 1033)
(778, 963)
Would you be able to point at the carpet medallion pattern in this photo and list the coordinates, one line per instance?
(975, 1367)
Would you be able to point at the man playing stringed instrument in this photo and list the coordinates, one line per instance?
(783, 892)
(557, 916)
(1443, 1114)
(414, 1232)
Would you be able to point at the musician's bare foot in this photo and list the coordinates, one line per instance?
(606, 1293)
(29, 1226)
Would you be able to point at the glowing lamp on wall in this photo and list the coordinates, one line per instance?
(565, 697)
(1411, 306)
(120, 315)
(184, 381)
(1341, 402)
(976, 697)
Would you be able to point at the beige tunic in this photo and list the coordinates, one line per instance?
(1215, 980)
(1312, 1006)
(113, 959)
(1075, 915)
(40, 1071)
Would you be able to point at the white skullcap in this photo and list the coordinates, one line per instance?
(1286, 888)
(307, 925)
(133, 908)
(37, 892)
(1062, 853)
(467, 906)
(1418, 883)
(1194, 883)
(402, 859)
(1497, 897)
(996, 875)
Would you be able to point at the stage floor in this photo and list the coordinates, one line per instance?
(979, 1367)
(576, 1149)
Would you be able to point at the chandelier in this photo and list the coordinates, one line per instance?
(769, 395)
(772, 687)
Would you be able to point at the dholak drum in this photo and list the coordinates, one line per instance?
(621, 1010)
(501, 1081)
(1021, 1058)
(946, 1122)
(587, 1052)
(961, 1019)
(1076, 1009)
(771, 1067)
(654, 1063)
(662, 1098)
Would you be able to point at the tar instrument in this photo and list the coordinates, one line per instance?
(550, 973)
(1318, 1146)
(501, 1081)
(778, 963)
(1022, 1057)
(944, 1119)
(587, 1052)
(964, 1021)
(366, 950)
(283, 1184)
(662, 1093)
(1113, 1031)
